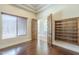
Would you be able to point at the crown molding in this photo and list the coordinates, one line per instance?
(30, 8)
(26, 8)
(44, 8)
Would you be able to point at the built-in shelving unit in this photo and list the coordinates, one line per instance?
(67, 30)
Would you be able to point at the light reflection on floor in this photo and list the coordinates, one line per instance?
(11, 51)
(42, 47)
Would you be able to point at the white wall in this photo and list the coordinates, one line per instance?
(59, 12)
(42, 16)
(19, 12)
(68, 12)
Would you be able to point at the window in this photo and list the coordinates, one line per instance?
(12, 26)
(21, 26)
(9, 26)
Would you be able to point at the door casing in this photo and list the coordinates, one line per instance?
(49, 29)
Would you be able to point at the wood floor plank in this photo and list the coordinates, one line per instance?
(34, 48)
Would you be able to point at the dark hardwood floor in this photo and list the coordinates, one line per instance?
(34, 48)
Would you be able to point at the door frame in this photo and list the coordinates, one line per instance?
(50, 17)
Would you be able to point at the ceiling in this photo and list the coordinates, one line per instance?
(36, 7)
(33, 7)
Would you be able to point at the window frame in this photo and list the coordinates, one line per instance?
(25, 18)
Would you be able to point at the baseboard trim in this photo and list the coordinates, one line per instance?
(14, 44)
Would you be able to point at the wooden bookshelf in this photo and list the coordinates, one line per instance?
(67, 30)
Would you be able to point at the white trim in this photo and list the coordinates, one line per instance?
(30, 8)
(23, 7)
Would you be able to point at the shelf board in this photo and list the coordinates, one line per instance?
(66, 29)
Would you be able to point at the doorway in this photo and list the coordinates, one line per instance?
(42, 30)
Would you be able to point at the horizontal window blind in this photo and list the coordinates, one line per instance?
(13, 26)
